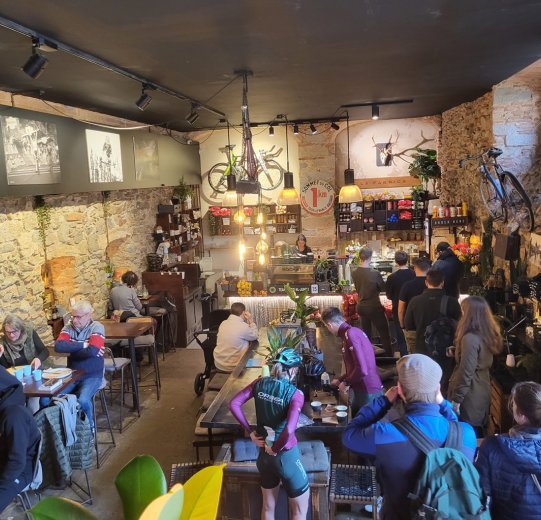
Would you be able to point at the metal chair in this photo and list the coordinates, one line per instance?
(208, 345)
(112, 366)
(37, 479)
(101, 393)
(148, 342)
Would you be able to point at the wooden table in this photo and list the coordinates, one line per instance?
(219, 416)
(31, 387)
(130, 331)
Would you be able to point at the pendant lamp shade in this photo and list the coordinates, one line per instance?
(230, 199)
(350, 192)
(288, 196)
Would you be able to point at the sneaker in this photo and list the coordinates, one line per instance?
(368, 507)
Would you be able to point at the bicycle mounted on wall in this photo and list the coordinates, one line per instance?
(501, 192)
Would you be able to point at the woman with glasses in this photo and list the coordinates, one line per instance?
(20, 344)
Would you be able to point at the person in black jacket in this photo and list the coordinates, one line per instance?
(451, 267)
(19, 439)
(393, 286)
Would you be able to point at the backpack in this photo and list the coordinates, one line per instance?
(448, 486)
(440, 334)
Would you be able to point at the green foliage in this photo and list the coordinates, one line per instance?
(277, 343)
(532, 364)
(43, 215)
(213, 224)
(302, 311)
(424, 165)
(53, 508)
(183, 191)
(138, 483)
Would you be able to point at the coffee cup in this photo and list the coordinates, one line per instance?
(19, 374)
(36, 374)
(510, 360)
(341, 408)
(341, 417)
(27, 370)
(316, 406)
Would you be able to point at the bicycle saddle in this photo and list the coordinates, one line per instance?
(494, 152)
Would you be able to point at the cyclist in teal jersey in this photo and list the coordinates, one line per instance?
(278, 404)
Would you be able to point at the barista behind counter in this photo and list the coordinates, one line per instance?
(300, 247)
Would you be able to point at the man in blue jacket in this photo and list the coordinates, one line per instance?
(398, 463)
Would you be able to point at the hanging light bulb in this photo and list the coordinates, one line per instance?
(350, 192)
(264, 235)
(262, 247)
(240, 216)
(230, 199)
(262, 259)
(260, 217)
(242, 249)
(288, 196)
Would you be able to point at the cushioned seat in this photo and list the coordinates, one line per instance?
(208, 399)
(140, 341)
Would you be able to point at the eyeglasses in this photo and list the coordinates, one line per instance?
(81, 316)
(12, 332)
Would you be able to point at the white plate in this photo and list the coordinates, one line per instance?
(56, 373)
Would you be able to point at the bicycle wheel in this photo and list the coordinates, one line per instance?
(217, 179)
(272, 177)
(519, 204)
(490, 194)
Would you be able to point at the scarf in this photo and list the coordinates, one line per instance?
(525, 432)
(25, 344)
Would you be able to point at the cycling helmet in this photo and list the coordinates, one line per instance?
(314, 367)
(289, 358)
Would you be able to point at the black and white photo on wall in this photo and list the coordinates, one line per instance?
(384, 154)
(104, 158)
(30, 151)
(145, 152)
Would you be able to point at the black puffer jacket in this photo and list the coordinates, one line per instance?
(505, 466)
(453, 271)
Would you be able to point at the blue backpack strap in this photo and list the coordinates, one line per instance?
(415, 435)
(454, 436)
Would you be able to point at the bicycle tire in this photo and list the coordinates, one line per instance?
(492, 199)
(520, 204)
(272, 178)
(217, 179)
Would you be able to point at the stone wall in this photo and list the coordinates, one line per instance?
(76, 247)
(466, 130)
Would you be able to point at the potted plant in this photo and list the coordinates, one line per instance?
(277, 343)
(184, 192)
(425, 167)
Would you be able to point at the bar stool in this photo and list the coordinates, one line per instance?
(101, 393)
(353, 485)
(112, 366)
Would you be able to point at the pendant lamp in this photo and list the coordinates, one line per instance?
(230, 199)
(350, 192)
(288, 196)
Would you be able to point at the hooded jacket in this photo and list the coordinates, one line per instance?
(505, 464)
(453, 271)
(19, 435)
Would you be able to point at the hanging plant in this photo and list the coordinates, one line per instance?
(43, 215)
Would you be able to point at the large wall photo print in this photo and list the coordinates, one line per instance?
(30, 151)
(104, 159)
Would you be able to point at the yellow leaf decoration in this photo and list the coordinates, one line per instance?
(166, 507)
(202, 494)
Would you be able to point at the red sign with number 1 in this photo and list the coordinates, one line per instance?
(317, 197)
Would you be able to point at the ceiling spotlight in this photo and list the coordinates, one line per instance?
(193, 116)
(144, 99)
(271, 130)
(375, 112)
(313, 129)
(36, 64)
(334, 126)
(296, 129)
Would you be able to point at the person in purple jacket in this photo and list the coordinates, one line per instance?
(278, 405)
(361, 380)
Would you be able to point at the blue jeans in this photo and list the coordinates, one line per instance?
(84, 390)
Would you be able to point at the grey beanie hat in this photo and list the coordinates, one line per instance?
(419, 374)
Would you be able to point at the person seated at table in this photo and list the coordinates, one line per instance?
(278, 405)
(397, 460)
(21, 344)
(20, 439)
(361, 381)
(510, 465)
(300, 247)
(83, 339)
(234, 336)
(124, 297)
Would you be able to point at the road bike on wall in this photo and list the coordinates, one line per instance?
(269, 172)
(502, 193)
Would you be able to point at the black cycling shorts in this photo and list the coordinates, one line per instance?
(287, 468)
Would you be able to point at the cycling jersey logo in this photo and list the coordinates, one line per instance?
(270, 398)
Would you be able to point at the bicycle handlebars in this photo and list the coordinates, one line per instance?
(491, 152)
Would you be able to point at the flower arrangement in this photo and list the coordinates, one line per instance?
(468, 253)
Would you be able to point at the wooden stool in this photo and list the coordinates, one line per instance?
(353, 485)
